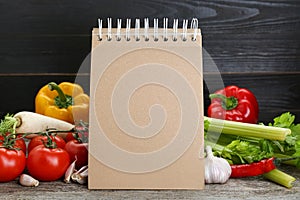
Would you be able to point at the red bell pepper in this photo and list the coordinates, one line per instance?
(253, 169)
(235, 104)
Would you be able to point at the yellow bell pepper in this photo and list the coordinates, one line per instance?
(66, 101)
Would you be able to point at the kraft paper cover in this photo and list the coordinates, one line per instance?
(146, 114)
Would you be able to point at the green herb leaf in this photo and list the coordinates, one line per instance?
(290, 147)
(8, 124)
(241, 152)
(295, 130)
(284, 121)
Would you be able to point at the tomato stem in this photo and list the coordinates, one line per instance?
(8, 141)
(50, 143)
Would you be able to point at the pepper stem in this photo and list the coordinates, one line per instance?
(62, 100)
(228, 103)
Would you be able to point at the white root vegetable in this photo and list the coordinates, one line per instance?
(30, 122)
(27, 180)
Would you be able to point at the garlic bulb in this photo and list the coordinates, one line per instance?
(217, 170)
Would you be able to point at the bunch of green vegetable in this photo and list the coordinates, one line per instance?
(289, 149)
(248, 146)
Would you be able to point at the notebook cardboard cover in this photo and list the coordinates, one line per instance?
(146, 115)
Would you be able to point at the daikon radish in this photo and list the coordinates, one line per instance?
(30, 122)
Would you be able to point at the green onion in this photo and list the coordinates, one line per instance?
(280, 177)
(246, 129)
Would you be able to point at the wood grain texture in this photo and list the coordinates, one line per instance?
(21, 90)
(254, 44)
(247, 188)
(239, 35)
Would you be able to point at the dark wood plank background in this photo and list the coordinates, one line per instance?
(255, 44)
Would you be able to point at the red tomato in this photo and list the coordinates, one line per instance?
(82, 134)
(19, 143)
(38, 140)
(69, 137)
(75, 148)
(47, 164)
(12, 164)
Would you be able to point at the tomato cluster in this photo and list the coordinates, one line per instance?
(48, 156)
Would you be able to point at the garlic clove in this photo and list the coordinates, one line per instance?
(29, 181)
(71, 169)
(84, 173)
(217, 170)
(84, 168)
(81, 175)
(79, 179)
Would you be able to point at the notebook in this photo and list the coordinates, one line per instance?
(146, 105)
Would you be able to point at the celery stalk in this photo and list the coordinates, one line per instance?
(246, 129)
(280, 177)
(215, 147)
(292, 162)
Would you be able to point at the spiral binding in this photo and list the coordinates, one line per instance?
(149, 32)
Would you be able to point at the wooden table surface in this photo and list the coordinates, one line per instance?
(246, 188)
